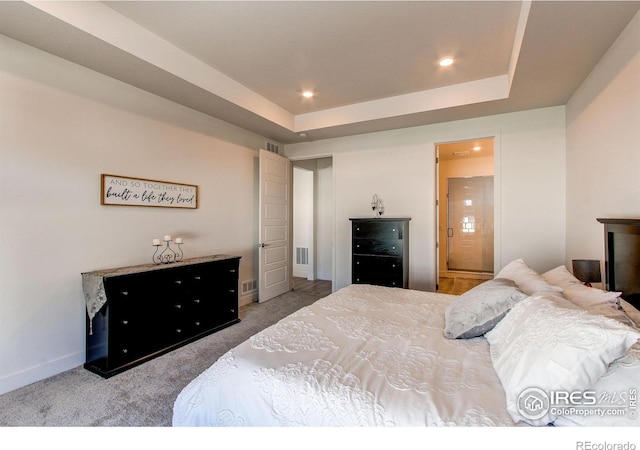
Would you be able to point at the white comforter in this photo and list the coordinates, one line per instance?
(363, 356)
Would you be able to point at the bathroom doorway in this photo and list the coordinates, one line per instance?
(465, 214)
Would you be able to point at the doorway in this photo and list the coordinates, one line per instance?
(313, 226)
(465, 214)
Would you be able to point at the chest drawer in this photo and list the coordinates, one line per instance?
(377, 229)
(390, 247)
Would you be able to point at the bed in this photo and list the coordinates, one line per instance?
(376, 356)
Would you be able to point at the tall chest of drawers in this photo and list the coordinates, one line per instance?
(137, 313)
(380, 251)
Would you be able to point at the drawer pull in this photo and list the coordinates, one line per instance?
(125, 293)
(197, 324)
(196, 278)
(233, 310)
(232, 291)
(178, 306)
(178, 282)
(196, 300)
(125, 351)
(233, 271)
(178, 330)
(393, 248)
(393, 229)
(125, 322)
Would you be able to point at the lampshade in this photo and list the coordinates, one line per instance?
(587, 270)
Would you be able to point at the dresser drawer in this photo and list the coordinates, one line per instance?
(133, 292)
(377, 229)
(377, 264)
(125, 348)
(389, 247)
(379, 279)
(380, 270)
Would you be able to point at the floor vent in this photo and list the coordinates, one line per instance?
(302, 255)
(249, 286)
(272, 147)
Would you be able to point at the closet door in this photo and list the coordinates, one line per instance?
(470, 224)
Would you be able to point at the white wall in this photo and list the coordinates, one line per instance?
(61, 127)
(303, 220)
(603, 147)
(324, 221)
(399, 166)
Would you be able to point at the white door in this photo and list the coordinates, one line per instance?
(275, 226)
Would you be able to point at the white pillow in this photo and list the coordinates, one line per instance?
(584, 296)
(478, 310)
(588, 297)
(560, 276)
(527, 279)
(547, 344)
(631, 312)
(615, 390)
(613, 312)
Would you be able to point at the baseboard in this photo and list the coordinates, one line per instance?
(248, 298)
(300, 273)
(25, 377)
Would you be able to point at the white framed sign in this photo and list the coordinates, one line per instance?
(127, 191)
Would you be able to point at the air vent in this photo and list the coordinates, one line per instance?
(249, 286)
(302, 255)
(465, 153)
(272, 147)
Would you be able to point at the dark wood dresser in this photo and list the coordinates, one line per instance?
(380, 251)
(137, 313)
(622, 258)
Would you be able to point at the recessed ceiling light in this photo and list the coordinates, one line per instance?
(307, 94)
(444, 62)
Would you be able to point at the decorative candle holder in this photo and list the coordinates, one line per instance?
(178, 253)
(377, 206)
(167, 255)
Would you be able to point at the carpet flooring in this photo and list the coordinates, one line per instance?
(142, 396)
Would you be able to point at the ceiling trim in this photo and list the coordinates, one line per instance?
(494, 88)
(519, 37)
(106, 24)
